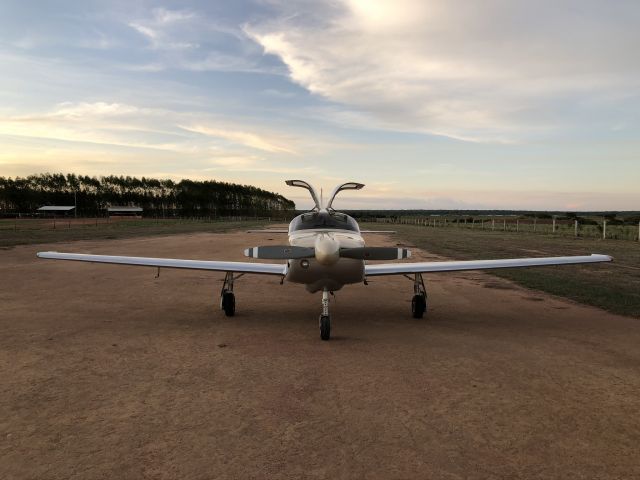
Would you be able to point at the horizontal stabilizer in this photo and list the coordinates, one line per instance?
(279, 252)
(273, 230)
(375, 253)
(377, 231)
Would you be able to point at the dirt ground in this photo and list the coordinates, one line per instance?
(109, 372)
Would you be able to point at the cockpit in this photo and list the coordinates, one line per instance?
(323, 219)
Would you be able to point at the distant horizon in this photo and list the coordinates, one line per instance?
(432, 105)
(346, 209)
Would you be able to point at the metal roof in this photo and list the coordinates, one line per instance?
(124, 209)
(55, 208)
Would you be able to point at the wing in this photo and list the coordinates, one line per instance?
(426, 267)
(240, 267)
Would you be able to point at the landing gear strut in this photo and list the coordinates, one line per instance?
(325, 318)
(419, 300)
(227, 298)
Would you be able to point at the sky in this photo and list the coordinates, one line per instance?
(431, 103)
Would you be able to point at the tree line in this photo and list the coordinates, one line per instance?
(157, 197)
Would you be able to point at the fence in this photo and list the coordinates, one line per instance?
(603, 228)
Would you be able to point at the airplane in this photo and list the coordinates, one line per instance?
(326, 251)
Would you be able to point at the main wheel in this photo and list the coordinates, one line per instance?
(229, 303)
(418, 305)
(325, 327)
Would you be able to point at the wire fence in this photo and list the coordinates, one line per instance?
(591, 228)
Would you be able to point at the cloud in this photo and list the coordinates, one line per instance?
(248, 139)
(97, 109)
(159, 27)
(89, 136)
(485, 71)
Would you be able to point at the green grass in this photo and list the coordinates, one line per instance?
(612, 286)
(43, 233)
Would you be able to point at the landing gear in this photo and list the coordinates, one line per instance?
(227, 298)
(325, 318)
(419, 300)
(418, 306)
(228, 304)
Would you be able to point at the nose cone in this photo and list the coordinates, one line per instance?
(327, 250)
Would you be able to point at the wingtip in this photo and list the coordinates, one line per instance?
(45, 254)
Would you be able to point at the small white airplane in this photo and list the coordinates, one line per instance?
(326, 251)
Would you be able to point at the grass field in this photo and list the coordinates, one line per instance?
(587, 227)
(614, 286)
(36, 231)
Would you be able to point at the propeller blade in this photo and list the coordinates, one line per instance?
(279, 252)
(375, 253)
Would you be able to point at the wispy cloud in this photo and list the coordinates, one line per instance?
(159, 27)
(248, 139)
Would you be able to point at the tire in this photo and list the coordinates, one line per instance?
(325, 327)
(229, 303)
(418, 306)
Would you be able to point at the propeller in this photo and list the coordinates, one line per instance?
(287, 252)
(375, 253)
(280, 252)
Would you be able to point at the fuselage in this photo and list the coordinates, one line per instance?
(327, 232)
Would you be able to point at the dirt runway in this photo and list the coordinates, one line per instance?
(109, 372)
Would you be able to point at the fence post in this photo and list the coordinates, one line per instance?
(535, 222)
(493, 224)
(504, 225)
(576, 228)
(604, 229)
(554, 224)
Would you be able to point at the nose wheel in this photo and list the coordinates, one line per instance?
(325, 318)
(325, 327)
